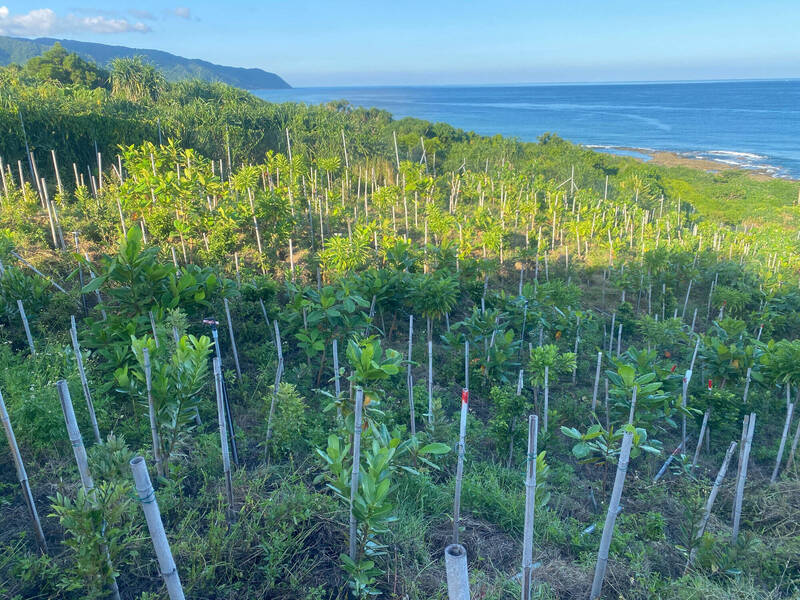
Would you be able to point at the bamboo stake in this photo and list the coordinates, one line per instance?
(597, 380)
(82, 461)
(152, 514)
(223, 435)
(278, 373)
(38, 272)
(28, 335)
(462, 435)
(153, 327)
(337, 385)
(159, 460)
(356, 469)
(430, 382)
(700, 437)
(711, 497)
(74, 435)
(546, 407)
(795, 441)
(233, 340)
(84, 383)
(787, 424)
(530, 504)
(611, 516)
(737, 507)
(410, 377)
(22, 476)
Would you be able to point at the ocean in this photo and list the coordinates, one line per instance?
(748, 124)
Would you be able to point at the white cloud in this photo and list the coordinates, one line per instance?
(183, 12)
(142, 14)
(44, 21)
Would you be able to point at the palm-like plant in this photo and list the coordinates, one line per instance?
(433, 296)
(135, 80)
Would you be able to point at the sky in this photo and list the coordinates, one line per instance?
(414, 42)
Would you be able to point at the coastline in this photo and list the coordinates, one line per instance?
(667, 158)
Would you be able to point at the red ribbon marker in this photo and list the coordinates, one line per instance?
(710, 384)
(464, 396)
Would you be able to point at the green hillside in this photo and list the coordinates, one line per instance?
(175, 68)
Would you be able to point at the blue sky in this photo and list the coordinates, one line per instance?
(350, 42)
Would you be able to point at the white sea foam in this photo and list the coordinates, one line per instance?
(749, 161)
(744, 155)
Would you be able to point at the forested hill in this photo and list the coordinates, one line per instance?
(175, 68)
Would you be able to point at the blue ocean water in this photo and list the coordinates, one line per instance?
(751, 124)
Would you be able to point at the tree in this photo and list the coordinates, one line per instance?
(135, 80)
(433, 296)
(67, 68)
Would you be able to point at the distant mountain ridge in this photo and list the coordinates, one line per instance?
(175, 68)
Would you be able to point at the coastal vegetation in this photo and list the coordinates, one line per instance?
(325, 330)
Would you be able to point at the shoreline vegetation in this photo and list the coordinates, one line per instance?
(254, 350)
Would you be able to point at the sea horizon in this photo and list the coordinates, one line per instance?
(537, 83)
(752, 124)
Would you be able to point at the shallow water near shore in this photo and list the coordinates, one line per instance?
(747, 124)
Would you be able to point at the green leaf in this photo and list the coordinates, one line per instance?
(435, 448)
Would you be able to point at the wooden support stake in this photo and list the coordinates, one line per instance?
(22, 476)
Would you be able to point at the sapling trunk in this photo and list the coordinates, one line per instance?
(597, 380)
(700, 437)
(233, 339)
(356, 469)
(787, 424)
(611, 516)
(737, 513)
(462, 434)
(619, 340)
(84, 383)
(160, 462)
(152, 514)
(27, 327)
(455, 562)
(223, 435)
(530, 504)
(711, 497)
(22, 476)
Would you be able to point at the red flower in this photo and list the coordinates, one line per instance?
(672, 370)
